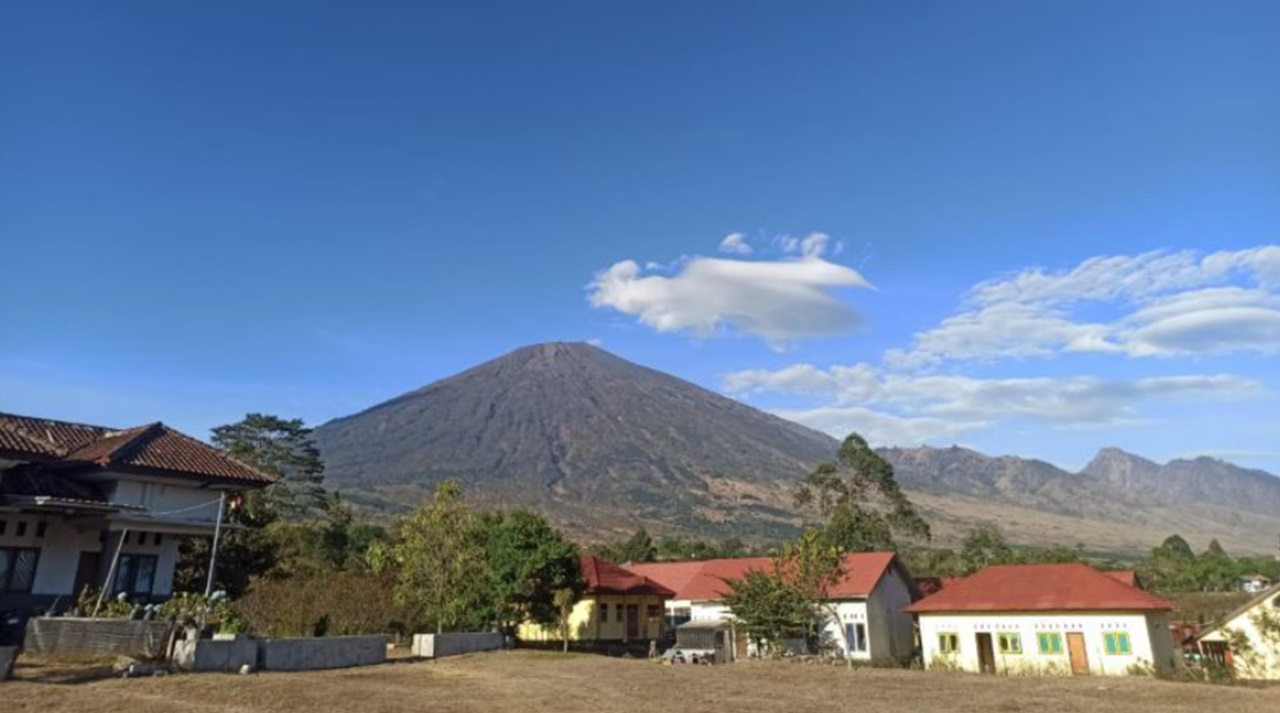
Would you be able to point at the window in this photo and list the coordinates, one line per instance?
(22, 529)
(855, 637)
(1117, 643)
(135, 575)
(4, 525)
(604, 612)
(41, 528)
(1050, 643)
(1010, 643)
(620, 612)
(18, 568)
(949, 643)
(653, 612)
(157, 538)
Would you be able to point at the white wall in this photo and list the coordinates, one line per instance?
(1149, 640)
(1262, 662)
(168, 501)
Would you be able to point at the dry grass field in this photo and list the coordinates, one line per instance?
(534, 681)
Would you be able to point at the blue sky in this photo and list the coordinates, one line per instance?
(1033, 228)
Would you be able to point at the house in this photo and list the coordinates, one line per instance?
(1247, 640)
(617, 605)
(1045, 618)
(1255, 583)
(85, 505)
(865, 619)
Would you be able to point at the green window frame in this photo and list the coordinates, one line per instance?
(1117, 643)
(1010, 643)
(604, 611)
(949, 642)
(1050, 643)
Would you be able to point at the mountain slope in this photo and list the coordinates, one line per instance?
(603, 445)
(583, 434)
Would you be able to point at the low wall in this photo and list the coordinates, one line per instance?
(215, 655)
(97, 637)
(430, 646)
(321, 653)
(7, 655)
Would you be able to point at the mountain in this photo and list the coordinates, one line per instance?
(599, 442)
(602, 445)
(1119, 502)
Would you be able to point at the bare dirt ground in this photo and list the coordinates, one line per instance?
(535, 681)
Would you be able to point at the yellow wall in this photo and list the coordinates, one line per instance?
(585, 624)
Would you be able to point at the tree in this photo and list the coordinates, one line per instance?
(983, 547)
(564, 599)
(282, 448)
(637, 548)
(529, 562)
(438, 560)
(861, 500)
(768, 608)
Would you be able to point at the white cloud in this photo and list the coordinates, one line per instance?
(736, 244)
(909, 409)
(1164, 303)
(779, 300)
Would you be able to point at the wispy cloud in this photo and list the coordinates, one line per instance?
(1161, 304)
(736, 244)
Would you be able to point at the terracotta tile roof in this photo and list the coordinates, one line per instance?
(154, 449)
(603, 577)
(1039, 587)
(705, 581)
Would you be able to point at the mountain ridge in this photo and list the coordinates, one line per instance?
(603, 445)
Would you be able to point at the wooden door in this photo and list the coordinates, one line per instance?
(986, 654)
(633, 621)
(1079, 656)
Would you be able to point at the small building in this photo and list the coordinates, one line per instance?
(617, 605)
(84, 505)
(865, 619)
(1045, 619)
(1254, 583)
(1247, 640)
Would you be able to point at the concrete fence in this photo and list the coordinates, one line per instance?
(279, 654)
(97, 637)
(430, 646)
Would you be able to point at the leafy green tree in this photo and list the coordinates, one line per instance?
(282, 448)
(637, 548)
(529, 562)
(984, 546)
(769, 609)
(438, 560)
(861, 500)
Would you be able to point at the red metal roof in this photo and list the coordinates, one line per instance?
(1125, 576)
(1039, 587)
(603, 577)
(154, 449)
(705, 581)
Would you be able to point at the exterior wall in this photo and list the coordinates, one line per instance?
(1262, 659)
(1149, 641)
(585, 623)
(849, 612)
(59, 549)
(892, 630)
(173, 502)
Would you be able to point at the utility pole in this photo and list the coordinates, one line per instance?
(213, 551)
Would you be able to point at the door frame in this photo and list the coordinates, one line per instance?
(632, 623)
(986, 652)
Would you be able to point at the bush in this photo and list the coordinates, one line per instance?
(337, 604)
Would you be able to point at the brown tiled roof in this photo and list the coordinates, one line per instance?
(1039, 587)
(154, 449)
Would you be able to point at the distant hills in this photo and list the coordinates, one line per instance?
(603, 445)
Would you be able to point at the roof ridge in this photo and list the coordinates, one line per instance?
(21, 432)
(60, 422)
(217, 451)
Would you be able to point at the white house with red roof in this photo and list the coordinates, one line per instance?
(866, 621)
(84, 505)
(1045, 619)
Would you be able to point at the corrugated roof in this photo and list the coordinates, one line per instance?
(602, 577)
(1039, 587)
(705, 581)
(153, 449)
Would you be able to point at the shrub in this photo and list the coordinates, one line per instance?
(338, 604)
